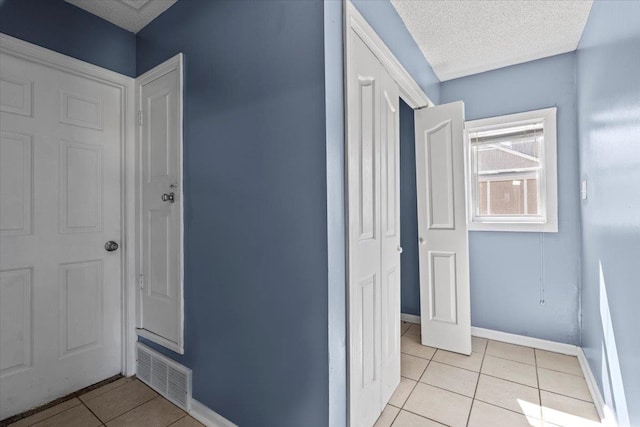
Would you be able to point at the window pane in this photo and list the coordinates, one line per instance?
(482, 199)
(532, 196)
(506, 173)
(507, 197)
(508, 156)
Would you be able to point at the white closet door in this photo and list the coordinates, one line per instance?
(442, 228)
(60, 197)
(374, 235)
(390, 234)
(161, 308)
(364, 236)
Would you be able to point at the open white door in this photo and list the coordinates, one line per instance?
(442, 228)
(161, 292)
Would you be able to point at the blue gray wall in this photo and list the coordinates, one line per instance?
(508, 270)
(409, 268)
(60, 26)
(384, 19)
(609, 117)
(256, 269)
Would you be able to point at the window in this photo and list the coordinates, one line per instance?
(511, 172)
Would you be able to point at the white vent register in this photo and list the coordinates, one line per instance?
(172, 380)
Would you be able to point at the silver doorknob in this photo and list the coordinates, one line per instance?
(171, 197)
(400, 249)
(422, 241)
(111, 246)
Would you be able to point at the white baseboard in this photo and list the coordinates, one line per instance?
(411, 318)
(207, 416)
(604, 412)
(556, 347)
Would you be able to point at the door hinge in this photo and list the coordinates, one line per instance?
(140, 121)
(141, 281)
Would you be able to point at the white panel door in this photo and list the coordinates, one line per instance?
(364, 236)
(442, 228)
(161, 178)
(374, 235)
(60, 202)
(389, 235)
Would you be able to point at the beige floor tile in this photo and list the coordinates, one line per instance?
(412, 367)
(78, 416)
(414, 330)
(513, 352)
(471, 363)
(558, 362)
(402, 392)
(568, 412)
(439, 405)
(485, 415)
(450, 378)
(410, 344)
(404, 327)
(407, 419)
(120, 400)
(388, 415)
(105, 388)
(187, 422)
(510, 370)
(478, 345)
(158, 412)
(47, 413)
(565, 384)
(509, 395)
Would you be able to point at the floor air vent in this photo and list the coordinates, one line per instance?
(165, 376)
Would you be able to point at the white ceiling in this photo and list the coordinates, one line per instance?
(132, 15)
(464, 37)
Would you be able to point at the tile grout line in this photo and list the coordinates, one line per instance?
(119, 415)
(93, 413)
(535, 358)
(176, 421)
(126, 412)
(475, 391)
(422, 416)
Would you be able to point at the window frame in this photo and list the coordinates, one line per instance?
(547, 220)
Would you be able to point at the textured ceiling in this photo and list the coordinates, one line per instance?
(464, 37)
(131, 15)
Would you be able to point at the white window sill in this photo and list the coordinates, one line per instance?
(517, 227)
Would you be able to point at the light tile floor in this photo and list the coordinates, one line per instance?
(499, 385)
(124, 402)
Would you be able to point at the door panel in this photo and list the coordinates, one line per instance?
(160, 142)
(16, 157)
(442, 228)
(60, 201)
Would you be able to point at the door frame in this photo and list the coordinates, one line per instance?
(36, 54)
(174, 63)
(410, 92)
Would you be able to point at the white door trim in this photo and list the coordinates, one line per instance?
(49, 58)
(175, 63)
(410, 91)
